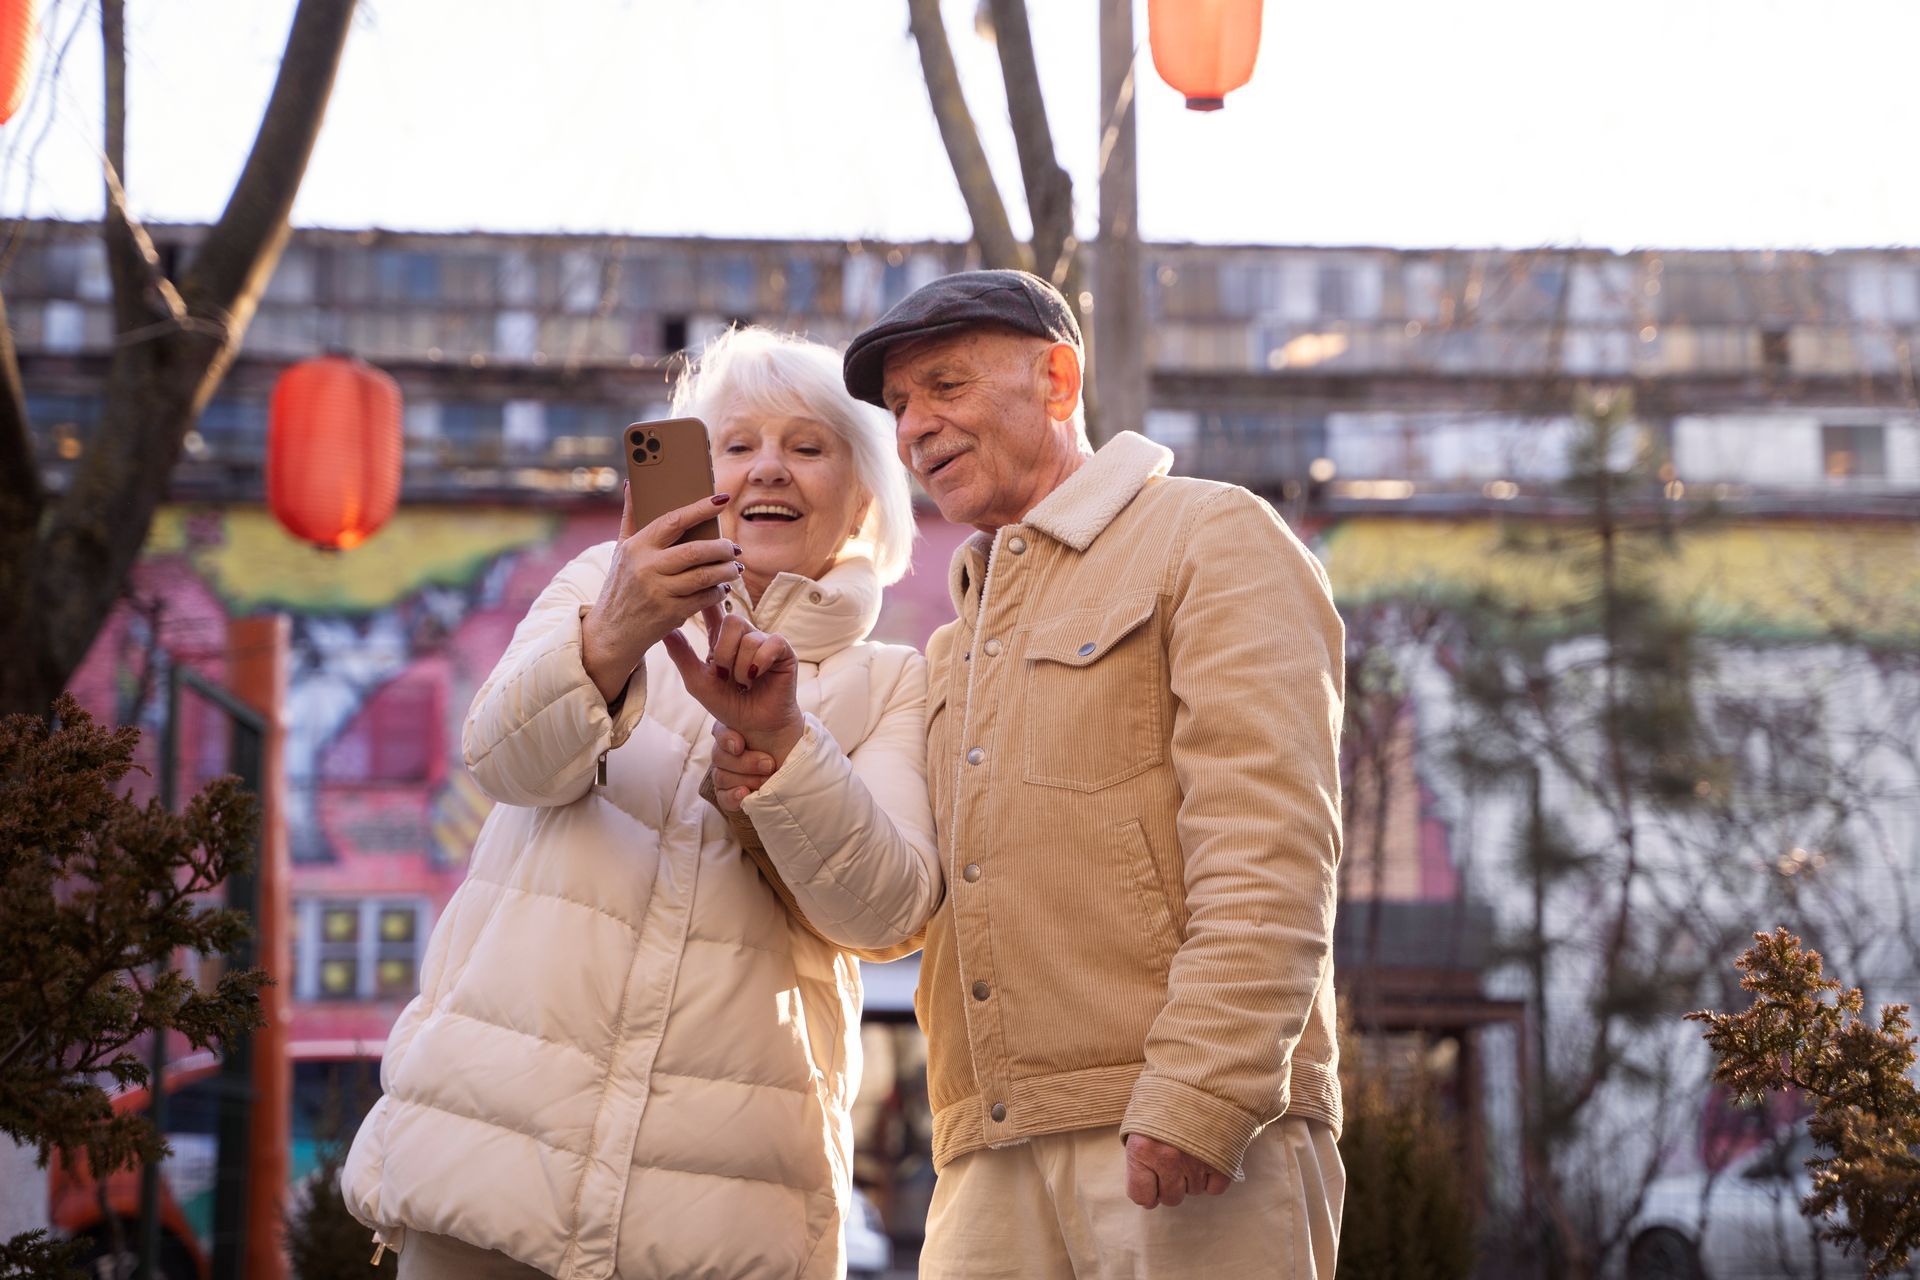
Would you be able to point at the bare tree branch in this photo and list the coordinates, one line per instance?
(1049, 189)
(141, 294)
(113, 47)
(61, 577)
(991, 229)
(241, 250)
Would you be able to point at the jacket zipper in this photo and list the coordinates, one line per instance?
(600, 771)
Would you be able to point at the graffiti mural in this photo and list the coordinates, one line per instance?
(390, 642)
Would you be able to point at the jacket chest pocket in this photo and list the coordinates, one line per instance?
(1094, 685)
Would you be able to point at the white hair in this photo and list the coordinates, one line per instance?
(755, 370)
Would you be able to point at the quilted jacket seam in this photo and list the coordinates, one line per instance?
(517, 891)
(520, 728)
(488, 1120)
(572, 1252)
(744, 1084)
(449, 1012)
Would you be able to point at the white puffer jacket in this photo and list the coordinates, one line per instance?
(627, 1059)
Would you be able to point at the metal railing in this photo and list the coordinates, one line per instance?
(246, 757)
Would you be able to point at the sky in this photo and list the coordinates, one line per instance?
(1638, 123)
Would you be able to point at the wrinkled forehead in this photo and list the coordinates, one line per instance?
(978, 347)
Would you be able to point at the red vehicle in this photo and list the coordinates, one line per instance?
(334, 1084)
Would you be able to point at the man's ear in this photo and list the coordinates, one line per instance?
(1061, 369)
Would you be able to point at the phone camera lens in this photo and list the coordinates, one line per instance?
(639, 455)
(653, 446)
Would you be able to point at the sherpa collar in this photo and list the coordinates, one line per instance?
(1091, 497)
(1076, 512)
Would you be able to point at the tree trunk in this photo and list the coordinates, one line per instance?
(991, 229)
(1049, 189)
(1119, 357)
(64, 561)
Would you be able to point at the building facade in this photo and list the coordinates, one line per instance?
(1404, 409)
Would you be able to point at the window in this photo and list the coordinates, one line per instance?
(582, 432)
(414, 277)
(730, 283)
(1774, 350)
(803, 285)
(358, 949)
(1854, 453)
(470, 432)
(397, 955)
(1333, 300)
(235, 427)
(339, 946)
(656, 284)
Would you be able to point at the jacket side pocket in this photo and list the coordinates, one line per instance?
(1149, 893)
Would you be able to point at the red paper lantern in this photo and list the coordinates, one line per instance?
(19, 25)
(1204, 48)
(333, 451)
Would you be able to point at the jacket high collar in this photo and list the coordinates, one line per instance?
(818, 618)
(1076, 512)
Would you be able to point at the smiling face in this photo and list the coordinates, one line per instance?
(796, 495)
(984, 420)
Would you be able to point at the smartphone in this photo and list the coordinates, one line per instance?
(670, 464)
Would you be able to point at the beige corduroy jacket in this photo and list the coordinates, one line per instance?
(1133, 730)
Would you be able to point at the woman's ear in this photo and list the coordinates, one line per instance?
(860, 519)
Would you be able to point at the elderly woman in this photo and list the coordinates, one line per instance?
(629, 1056)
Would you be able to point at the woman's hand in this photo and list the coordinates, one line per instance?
(653, 587)
(747, 681)
(738, 772)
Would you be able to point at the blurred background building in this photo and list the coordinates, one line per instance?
(1402, 409)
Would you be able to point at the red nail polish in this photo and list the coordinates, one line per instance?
(736, 549)
(721, 499)
(752, 672)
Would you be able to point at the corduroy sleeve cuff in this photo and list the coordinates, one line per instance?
(1196, 1122)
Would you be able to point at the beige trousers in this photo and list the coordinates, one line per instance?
(1056, 1208)
(445, 1258)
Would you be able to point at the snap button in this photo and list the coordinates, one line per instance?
(1086, 648)
(999, 1111)
(972, 873)
(975, 756)
(993, 648)
(814, 596)
(981, 990)
(1017, 545)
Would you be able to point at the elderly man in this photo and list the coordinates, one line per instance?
(1133, 730)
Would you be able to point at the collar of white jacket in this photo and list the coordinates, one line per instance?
(818, 617)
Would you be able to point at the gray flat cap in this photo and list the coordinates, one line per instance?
(1015, 299)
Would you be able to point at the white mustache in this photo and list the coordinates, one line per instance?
(924, 461)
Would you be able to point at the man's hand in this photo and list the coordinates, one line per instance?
(1158, 1174)
(737, 772)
